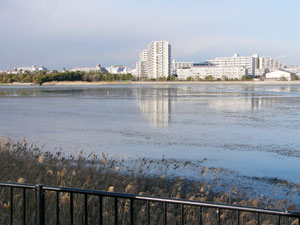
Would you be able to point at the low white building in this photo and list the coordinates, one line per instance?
(87, 69)
(179, 65)
(118, 69)
(293, 69)
(30, 69)
(236, 61)
(280, 75)
(217, 72)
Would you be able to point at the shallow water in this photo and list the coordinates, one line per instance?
(249, 129)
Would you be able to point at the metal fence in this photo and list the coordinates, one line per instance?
(37, 207)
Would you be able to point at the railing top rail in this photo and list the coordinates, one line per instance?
(17, 185)
(157, 199)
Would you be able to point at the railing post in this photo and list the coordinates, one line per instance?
(40, 204)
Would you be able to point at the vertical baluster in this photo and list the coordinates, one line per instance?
(116, 211)
(40, 204)
(11, 205)
(24, 206)
(71, 209)
(258, 218)
(165, 214)
(86, 210)
(279, 222)
(57, 208)
(131, 212)
(200, 215)
(148, 212)
(238, 217)
(182, 214)
(219, 216)
(100, 210)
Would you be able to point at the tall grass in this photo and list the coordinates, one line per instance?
(24, 163)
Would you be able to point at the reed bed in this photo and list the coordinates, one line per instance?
(25, 163)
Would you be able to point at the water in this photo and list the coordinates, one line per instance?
(252, 130)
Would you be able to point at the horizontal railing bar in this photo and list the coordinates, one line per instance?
(158, 199)
(17, 185)
(173, 201)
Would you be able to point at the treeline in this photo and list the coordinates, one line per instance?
(42, 77)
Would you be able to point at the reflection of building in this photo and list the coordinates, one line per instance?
(239, 104)
(155, 104)
(253, 99)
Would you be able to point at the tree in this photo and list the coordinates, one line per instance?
(190, 78)
(225, 78)
(283, 78)
(209, 78)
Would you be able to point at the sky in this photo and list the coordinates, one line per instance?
(72, 33)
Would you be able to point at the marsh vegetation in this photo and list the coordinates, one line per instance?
(25, 163)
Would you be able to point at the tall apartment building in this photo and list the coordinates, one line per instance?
(159, 59)
(155, 62)
(270, 64)
(142, 65)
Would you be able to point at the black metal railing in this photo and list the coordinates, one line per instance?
(37, 207)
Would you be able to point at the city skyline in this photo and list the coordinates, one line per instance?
(84, 33)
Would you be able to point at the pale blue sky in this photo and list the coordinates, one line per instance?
(70, 33)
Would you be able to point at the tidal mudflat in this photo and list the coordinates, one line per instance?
(250, 131)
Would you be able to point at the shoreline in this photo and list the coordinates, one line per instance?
(84, 83)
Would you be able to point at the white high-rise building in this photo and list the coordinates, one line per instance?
(144, 55)
(270, 64)
(142, 65)
(159, 59)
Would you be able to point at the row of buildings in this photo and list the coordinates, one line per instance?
(117, 69)
(155, 62)
(30, 69)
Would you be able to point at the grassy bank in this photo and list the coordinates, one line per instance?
(22, 162)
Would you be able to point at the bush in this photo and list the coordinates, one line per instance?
(225, 78)
(209, 78)
(245, 77)
(190, 78)
(283, 78)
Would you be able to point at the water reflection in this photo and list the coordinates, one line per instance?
(155, 105)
